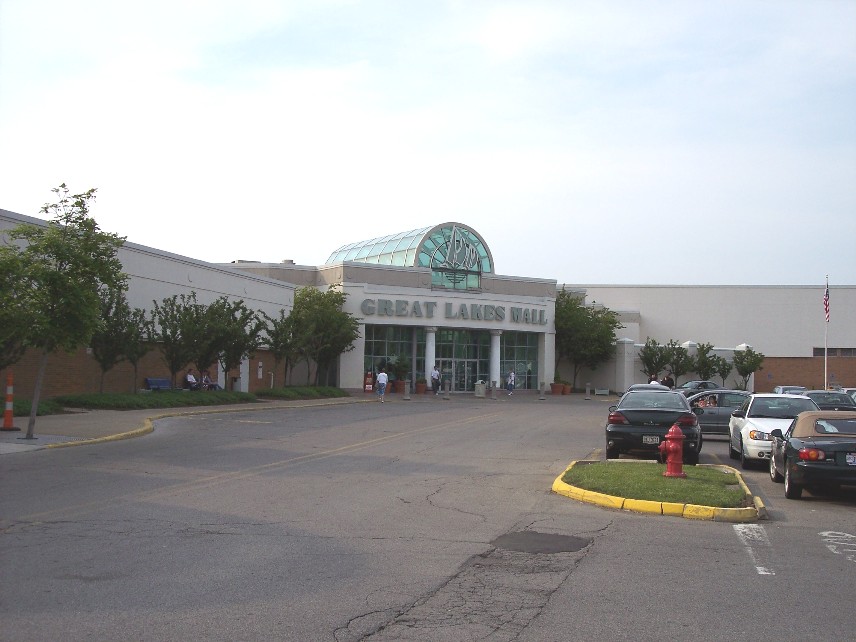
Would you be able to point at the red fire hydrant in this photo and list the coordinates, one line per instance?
(672, 448)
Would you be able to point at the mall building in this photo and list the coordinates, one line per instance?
(434, 296)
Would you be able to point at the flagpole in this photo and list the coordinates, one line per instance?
(826, 335)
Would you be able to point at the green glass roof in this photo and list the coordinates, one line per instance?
(450, 246)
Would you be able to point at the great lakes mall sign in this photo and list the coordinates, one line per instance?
(468, 311)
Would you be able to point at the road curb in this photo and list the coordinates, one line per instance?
(686, 511)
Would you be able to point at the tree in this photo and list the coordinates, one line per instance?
(138, 340)
(282, 342)
(108, 342)
(175, 326)
(64, 265)
(654, 357)
(13, 312)
(585, 335)
(679, 361)
(722, 367)
(323, 329)
(239, 329)
(705, 361)
(747, 362)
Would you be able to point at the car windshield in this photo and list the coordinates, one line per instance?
(644, 399)
(831, 426)
(773, 408)
(831, 397)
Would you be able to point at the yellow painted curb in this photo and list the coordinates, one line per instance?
(643, 506)
(146, 428)
(687, 511)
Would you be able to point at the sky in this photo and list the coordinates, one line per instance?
(591, 142)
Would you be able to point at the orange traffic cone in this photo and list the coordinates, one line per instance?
(8, 412)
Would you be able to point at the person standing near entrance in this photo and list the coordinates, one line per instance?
(435, 380)
(509, 383)
(382, 380)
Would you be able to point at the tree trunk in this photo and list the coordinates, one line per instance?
(34, 408)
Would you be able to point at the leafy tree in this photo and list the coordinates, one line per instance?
(138, 340)
(13, 313)
(654, 357)
(282, 342)
(679, 361)
(323, 329)
(176, 324)
(722, 367)
(108, 342)
(585, 335)
(64, 265)
(705, 361)
(239, 329)
(747, 362)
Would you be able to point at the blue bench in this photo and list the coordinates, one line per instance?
(157, 384)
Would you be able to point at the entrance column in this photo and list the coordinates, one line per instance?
(430, 351)
(495, 374)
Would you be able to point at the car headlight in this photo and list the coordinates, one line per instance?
(757, 435)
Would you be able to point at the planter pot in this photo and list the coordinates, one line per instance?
(556, 388)
(398, 385)
(420, 388)
(566, 390)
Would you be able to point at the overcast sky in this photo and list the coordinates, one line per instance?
(591, 142)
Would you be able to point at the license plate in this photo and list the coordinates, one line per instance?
(654, 440)
(850, 458)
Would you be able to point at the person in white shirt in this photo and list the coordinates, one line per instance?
(382, 380)
(509, 383)
(435, 380)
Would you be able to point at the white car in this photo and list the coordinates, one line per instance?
(750, 425)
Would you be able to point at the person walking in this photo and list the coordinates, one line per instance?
(435, 380)
(509, 383)
(382, 380)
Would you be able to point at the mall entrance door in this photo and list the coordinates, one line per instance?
(461, 373)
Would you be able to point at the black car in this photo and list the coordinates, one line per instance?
(831, 399)
(641, 419)
(692, 387)
(818, 449)
(714, 408)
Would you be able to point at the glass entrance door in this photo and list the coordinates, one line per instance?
(461, 373)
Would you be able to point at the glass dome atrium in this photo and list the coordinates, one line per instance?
(456, 254)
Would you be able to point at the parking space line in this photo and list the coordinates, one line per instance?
(840, 543)
(757, 545)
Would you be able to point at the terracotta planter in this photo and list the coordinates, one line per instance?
(420, 388)
(398, 385)
(556, 388)
(566, 389)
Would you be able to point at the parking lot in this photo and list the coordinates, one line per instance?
(405, 520)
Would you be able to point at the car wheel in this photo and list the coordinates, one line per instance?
(745, 462)
(792, 490)
(775, 475)
(611, 453)
(691, 458)
(733, 454)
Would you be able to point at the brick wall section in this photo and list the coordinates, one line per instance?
(805, 371)
(78, 372)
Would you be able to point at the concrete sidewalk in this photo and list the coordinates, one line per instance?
(95, 426)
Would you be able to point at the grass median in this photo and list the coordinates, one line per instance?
(704, 486)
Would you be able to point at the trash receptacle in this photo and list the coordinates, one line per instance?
(481, 388)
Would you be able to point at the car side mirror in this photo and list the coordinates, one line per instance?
(739, 414)
(698, 411)
(612, 408)
(777, 433)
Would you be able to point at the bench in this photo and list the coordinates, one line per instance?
(601, 391)
(157, 384)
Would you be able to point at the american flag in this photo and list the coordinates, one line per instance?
(826, 302)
